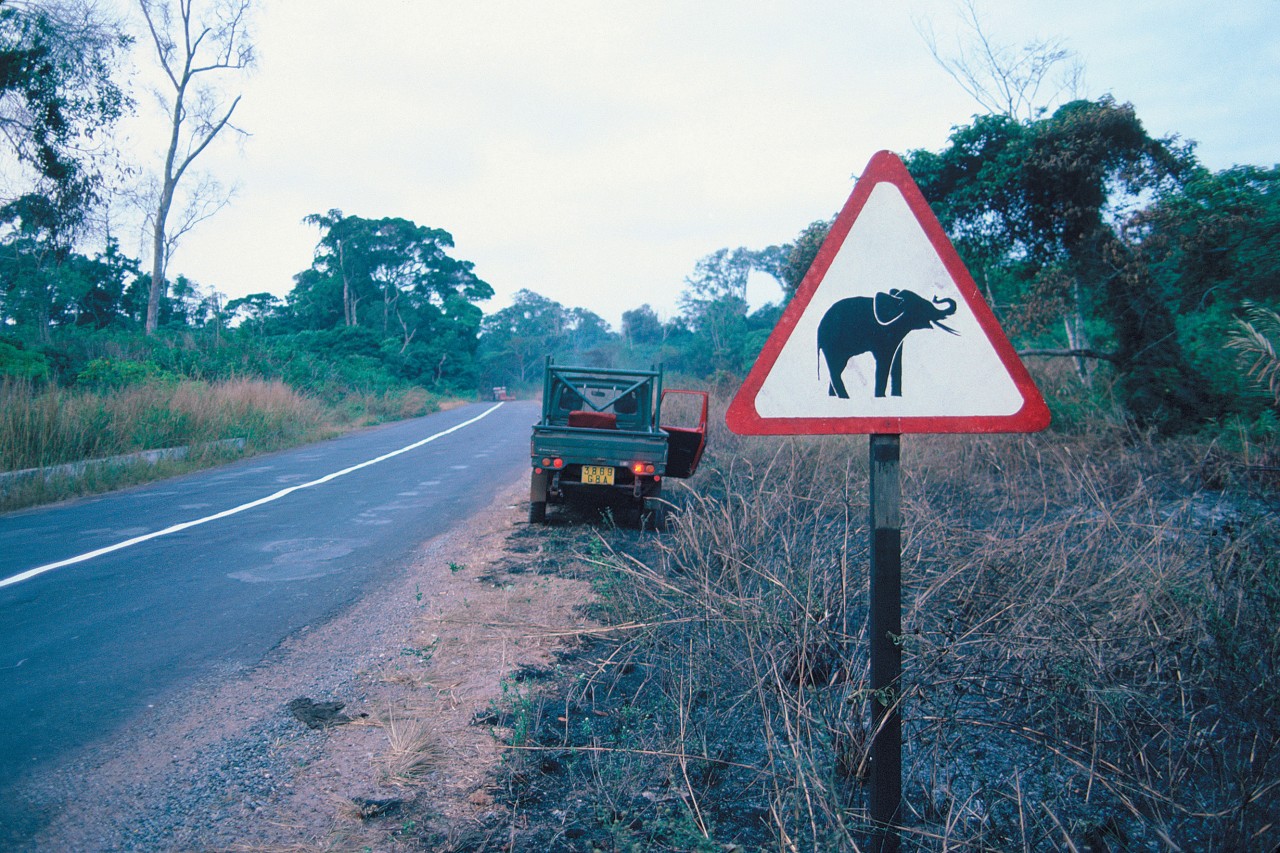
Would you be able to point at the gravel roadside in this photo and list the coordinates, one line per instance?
(230, 766)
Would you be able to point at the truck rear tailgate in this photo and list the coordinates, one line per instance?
(579, 446)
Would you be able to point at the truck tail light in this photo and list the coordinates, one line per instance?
(559, 463)
(643, 468)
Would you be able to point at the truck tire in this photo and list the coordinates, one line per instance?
(654, 514)
(538, 482)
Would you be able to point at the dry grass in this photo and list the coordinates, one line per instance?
(1094, 645)
(49, 426)
(413, 746)
(1091, 646)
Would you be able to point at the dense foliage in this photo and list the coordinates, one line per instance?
(57, 99)
(1093, 237)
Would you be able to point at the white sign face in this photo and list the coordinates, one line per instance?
(887, 333)
(941, 373)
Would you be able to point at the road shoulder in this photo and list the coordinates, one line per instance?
(231, 767)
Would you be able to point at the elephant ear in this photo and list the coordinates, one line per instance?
(888, 307)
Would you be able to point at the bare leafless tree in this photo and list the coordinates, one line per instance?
(195, 48)
(1019, 82)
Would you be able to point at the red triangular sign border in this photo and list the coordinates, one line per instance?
(886, 167)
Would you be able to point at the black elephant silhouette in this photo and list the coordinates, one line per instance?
(877, 324)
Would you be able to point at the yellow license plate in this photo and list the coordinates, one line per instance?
(597, 475)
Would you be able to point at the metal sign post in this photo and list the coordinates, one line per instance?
(886, 642)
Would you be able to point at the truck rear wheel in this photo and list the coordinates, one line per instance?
(654, 514)
(653, 509)
(538, 482)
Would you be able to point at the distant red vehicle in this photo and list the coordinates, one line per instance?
(500, 394)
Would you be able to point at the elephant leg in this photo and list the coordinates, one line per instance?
(895, 373)
(883, 364)
(835, 367)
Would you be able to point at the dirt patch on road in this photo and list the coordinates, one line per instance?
(357, 735)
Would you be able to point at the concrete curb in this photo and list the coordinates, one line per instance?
(12, 479)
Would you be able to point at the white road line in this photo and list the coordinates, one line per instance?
(48, 567)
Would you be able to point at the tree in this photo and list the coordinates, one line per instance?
(43, 283)
(334, 260)
(714, 302)
(57, 96)
(799, 255)
(1215, 237)
(516, 339)
(188, 305)
(316, 301)
(195, 48)
(255, 310)
(398, 280)
(109, 275)
(641, 326)
(414, 275)
(1213, 248)
(587, 332)
(719, 275)
(389, 272)
(1040, 202)
(35, 288)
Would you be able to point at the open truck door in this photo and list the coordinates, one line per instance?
(684, 419)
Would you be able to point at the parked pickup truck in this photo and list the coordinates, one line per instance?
(615, 433)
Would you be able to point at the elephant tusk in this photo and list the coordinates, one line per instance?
(944, 327)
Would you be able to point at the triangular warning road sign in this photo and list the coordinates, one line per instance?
(887, 333)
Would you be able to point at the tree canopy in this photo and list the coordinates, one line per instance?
(57, 99)
(57, 102)
(1039, 207)
(398, 279)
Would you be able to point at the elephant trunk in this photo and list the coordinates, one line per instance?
(949, 306)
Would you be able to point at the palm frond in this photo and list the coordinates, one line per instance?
(1256, 338)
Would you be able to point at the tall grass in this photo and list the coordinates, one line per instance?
(50, 425)
(1091, 646)
(46, 425)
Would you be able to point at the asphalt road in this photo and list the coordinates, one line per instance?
(85, 645)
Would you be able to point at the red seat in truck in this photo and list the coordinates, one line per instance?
(593, 420)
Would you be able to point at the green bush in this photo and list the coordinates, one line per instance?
(16, 362)
(104, 373)
(1204, 337)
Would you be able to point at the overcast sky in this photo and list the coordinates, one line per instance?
(593, 151)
